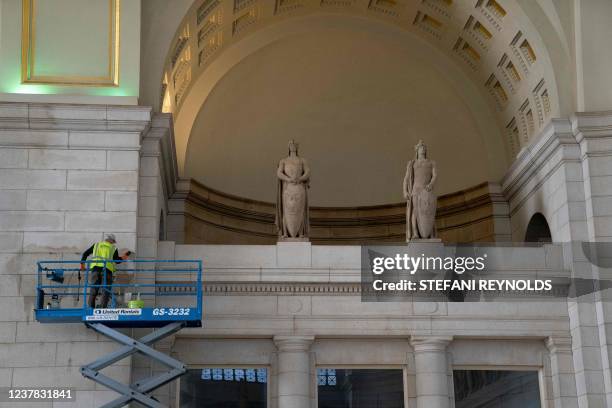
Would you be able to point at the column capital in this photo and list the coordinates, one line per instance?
(558, 344)
(430, 343)
(293, 343)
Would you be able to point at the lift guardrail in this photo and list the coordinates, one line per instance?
(144, 293)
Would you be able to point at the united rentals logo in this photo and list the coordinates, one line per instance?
(113, 314)
(119, 312)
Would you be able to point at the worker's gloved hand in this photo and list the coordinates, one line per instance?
(82, 266)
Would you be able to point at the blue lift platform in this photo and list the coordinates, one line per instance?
(162, 295)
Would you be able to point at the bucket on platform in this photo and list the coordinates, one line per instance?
(136, 303)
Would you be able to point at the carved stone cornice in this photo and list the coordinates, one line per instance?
(47, 116)
(272, 288)
(558, 344)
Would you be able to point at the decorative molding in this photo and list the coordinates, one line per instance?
(282, 288)
(424, 344)
(268, 288)
(556, 344)
(293, 343)
(28, 50)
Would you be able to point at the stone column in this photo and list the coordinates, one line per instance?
(294, 375)
(431, 371)
(562, 372)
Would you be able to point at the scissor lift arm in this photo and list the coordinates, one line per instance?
(137, 391)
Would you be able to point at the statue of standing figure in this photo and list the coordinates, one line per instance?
(292, 218)
(420, 198)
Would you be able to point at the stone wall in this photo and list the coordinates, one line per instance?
(262, 301)
(565, 175)
(68, 175)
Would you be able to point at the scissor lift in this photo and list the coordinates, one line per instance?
(169, 298)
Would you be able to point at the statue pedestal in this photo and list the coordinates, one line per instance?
(302, 239)
(294, 254)
(425, 246)
(424, 240)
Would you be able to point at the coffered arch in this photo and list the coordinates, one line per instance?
(489, 43)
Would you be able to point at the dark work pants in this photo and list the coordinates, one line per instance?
(97, 278)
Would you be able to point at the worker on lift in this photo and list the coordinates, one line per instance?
(104, 263)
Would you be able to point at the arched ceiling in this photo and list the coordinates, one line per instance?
(357, 102)
(492, 44)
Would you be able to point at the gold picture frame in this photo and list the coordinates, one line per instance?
(28, 57)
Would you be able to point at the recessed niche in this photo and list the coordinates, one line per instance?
(210, 46)
(388, 7)
(205, 9)
(468, 53)
(482, 31)
(213, 22)
(526, 119)
(493, 12)
(497, 91)
(512, 71)
(542, 101)
(429, 24)
(242, 4)
(528, 52)
(180, 45)
(283, 6)
(337, 3)
(469, 50)
(244, 21)
(509, 73)
(441, 7)
(495, 8)
(512, 134)
(181, 42)
(477, 32)
(181, 78)
(519, 56)
(501, 93)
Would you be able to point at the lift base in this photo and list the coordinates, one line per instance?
(138, 391)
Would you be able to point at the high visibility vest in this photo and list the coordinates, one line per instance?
(103, 251)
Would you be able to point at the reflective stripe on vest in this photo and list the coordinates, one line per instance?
(103, 251)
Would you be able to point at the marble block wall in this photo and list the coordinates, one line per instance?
(565, 175)
(68, 175)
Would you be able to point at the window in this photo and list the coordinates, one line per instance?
(361, 388)
(224, 388)
(496, 389)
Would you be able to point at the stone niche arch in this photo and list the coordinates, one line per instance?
(493, 42)
(538, 230)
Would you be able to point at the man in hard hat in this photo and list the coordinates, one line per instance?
(105, 258)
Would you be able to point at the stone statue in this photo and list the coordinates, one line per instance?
(292, 218)
(418, 192)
